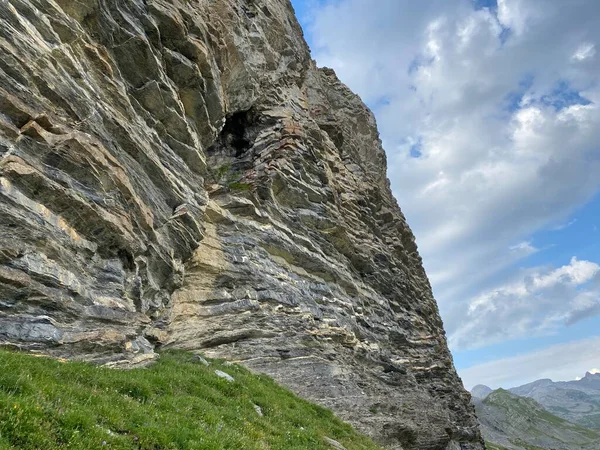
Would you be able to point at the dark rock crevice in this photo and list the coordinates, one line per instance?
(237, 136)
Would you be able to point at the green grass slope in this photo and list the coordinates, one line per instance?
(177, 403)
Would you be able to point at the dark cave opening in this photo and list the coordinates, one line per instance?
(237, 135)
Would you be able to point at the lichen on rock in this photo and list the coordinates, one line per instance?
(181, 174)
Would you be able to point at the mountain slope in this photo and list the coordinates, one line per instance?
(513, 422)
(577, 401)
(480, 391)
(180, 174)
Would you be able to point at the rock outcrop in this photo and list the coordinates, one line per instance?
(179, 173)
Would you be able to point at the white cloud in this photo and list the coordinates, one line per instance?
(585, 51)
(507, 132)
(524, 248)
(559, 362)
(564, 226)
(539, 302)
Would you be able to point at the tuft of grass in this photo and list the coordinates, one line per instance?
(239, 187)
(177, 403)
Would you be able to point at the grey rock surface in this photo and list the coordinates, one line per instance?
(258, 410)
(180, 173)
(334, 444)
(224, 375)
(201, 360)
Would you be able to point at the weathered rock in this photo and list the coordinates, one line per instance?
(258, 410)
(334, 444)
(179, 173)
(224, 375)
(201, 360)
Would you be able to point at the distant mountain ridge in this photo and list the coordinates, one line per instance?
(577, 401)
(508, 421)
(544, 414)
(481, 391)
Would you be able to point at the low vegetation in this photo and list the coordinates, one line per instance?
(177, 403)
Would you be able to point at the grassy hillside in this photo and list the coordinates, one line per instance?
(177, 403)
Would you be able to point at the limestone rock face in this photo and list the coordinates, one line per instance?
(179, 173)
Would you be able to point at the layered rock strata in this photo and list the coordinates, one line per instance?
(180, 173)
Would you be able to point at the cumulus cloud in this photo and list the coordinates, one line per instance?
(575, 357)
(490, 136)
(537, 303)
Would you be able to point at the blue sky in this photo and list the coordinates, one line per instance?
(488, 113)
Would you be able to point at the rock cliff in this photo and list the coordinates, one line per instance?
(179, 173)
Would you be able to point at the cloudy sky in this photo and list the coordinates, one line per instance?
(488, 110)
